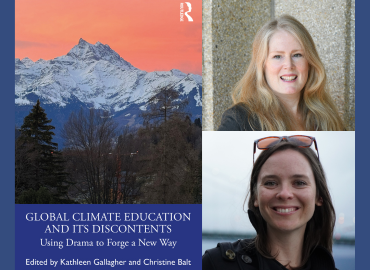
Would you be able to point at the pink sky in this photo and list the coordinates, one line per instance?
(146, 33)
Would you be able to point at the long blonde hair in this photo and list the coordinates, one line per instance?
(315, 105)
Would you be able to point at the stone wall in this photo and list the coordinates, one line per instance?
(229, 28)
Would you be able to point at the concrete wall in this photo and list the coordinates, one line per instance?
(229, 28)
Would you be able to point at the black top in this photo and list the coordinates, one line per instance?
(239, 118)
(243, 255)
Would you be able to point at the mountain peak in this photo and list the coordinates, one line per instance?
(26, 59)
(82, 41)
(84, 51)
(178, 73)
(89, 53)
(27, 62)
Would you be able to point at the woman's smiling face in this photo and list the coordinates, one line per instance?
(286, 68)
(286, 192)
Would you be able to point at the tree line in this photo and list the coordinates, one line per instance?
(101, 163)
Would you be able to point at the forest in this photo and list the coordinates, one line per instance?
(159, 162)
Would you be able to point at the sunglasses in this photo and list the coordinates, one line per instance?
(299, 140)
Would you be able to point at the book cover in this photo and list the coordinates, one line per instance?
(108, 106)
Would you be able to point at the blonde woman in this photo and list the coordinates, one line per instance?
(284, 87)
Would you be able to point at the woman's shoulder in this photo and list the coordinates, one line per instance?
(239, 118)
(229, 255)
(242, 254)
(322, 258)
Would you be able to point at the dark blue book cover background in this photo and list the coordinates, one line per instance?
(7, 147)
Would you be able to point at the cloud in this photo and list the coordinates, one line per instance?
(22, 44)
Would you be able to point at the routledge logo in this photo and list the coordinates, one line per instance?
(190, 19)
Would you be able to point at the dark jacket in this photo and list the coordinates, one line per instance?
(239, 118)
(242, 254)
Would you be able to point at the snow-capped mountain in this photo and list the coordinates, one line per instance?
(94, 75)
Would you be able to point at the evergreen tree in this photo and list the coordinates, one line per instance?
(198, 123)
(165, 105)
(38, 161)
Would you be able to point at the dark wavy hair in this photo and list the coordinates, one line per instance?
(319, 229)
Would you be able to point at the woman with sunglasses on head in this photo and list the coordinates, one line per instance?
(284, 87)
(291, 209)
